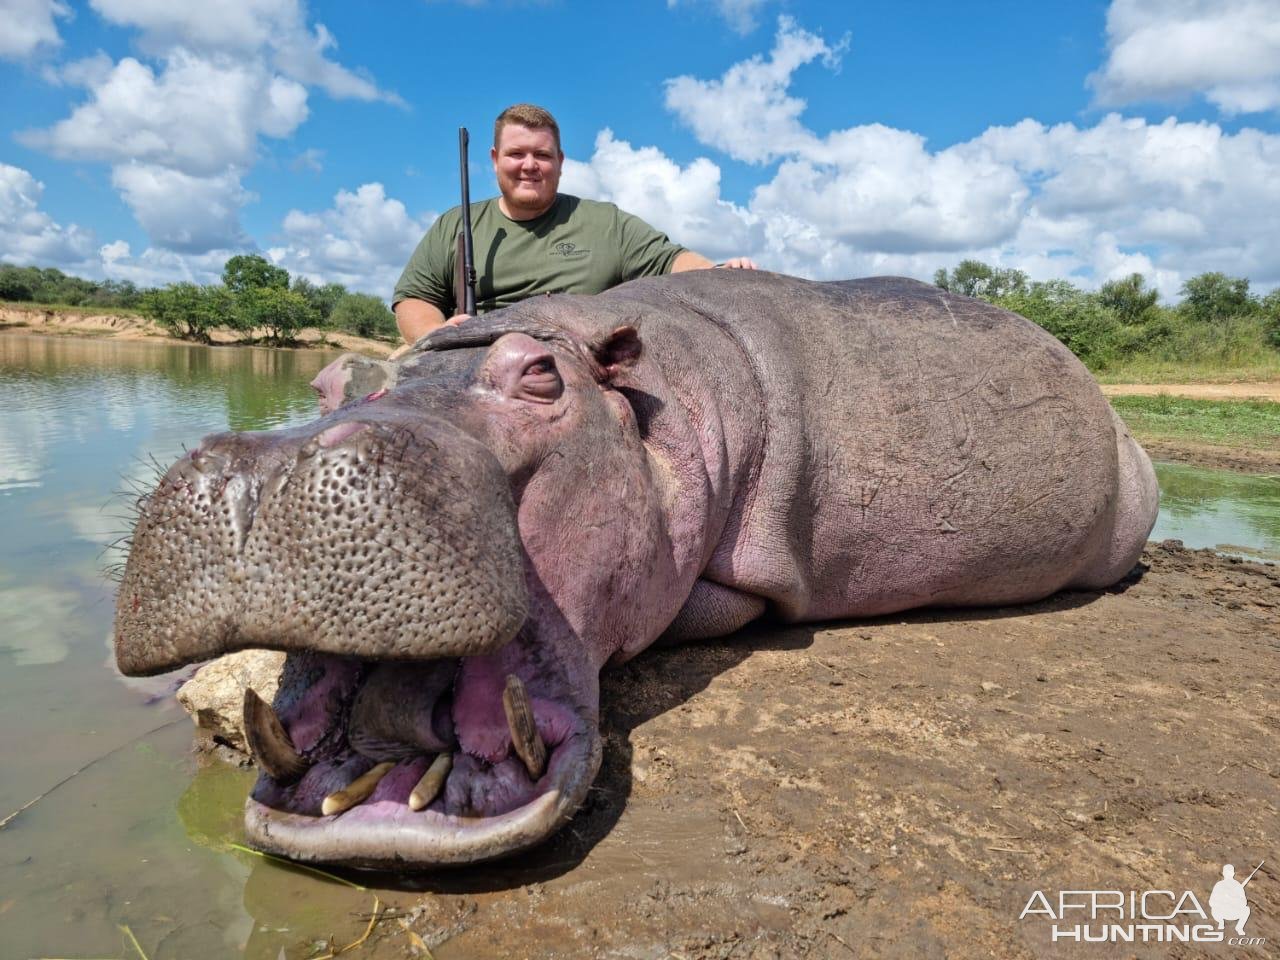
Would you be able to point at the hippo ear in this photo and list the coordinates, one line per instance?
(617, 352)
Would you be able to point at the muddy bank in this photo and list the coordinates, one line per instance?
(898, 788)
(1243, 459)
(60, 323)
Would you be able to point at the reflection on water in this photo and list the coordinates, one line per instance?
(120, 842)
(1231, 512)
(135, 834)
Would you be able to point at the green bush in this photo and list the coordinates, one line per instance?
(365, 316)
(188, 310)
(278, 311)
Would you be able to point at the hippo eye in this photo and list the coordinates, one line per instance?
(540, 380)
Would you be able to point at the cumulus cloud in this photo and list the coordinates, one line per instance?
(1226, 50)
(1167, 200)
(747, 112)
(196, 115)
(29, 26)
(741, 15)
(243, 28)
(183, 212)
(156, 267)
(183, 122)
(363, 241)
(29, 235)
(683, 202)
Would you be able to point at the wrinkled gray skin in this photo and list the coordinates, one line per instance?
(555, 485)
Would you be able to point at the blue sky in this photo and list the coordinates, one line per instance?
(151, 139)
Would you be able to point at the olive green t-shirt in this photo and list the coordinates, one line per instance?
(578, 246)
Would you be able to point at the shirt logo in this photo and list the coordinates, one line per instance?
(570, 251)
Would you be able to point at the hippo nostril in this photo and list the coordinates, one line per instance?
(342, 431)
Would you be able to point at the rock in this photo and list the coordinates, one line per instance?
(215, 695)
(987, 686)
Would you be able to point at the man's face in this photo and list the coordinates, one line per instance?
(527, 165)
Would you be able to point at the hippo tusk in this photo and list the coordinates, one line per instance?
(356, 792)
(524, 731)
(428, 787)
(269, 742)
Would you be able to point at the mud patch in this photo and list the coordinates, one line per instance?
(898, 787)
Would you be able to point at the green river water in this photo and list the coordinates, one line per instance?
(127, 832)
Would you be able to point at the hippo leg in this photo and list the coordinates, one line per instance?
(713, 610)
(1137, 502)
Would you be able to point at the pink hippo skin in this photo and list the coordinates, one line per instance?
(553, 486)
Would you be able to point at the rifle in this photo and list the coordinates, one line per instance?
(464, 280)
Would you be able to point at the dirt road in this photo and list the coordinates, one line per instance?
(899, 788)
(1197, 391)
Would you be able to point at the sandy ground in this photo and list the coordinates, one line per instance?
(900, 787)
(111, 326)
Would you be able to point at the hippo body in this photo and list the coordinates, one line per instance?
(555, 485)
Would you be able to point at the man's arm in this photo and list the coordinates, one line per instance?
(688, 260)
(416, 318)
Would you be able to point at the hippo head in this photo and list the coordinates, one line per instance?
(449, 555)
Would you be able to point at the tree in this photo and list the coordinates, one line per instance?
(187, 310)
(973, 278)
(1129, 298)
(1270, 310)
(322, 299)
(364, 315)
(1213, 297)
(248, 271)
(278, 311)
(15, 284)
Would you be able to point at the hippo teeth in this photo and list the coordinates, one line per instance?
(356, 792)
(432, 781)
(524, 732)
(269, 742)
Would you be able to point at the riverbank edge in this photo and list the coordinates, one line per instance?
(52, 322)
(55, 323)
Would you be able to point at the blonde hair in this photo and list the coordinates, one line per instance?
(527, 115)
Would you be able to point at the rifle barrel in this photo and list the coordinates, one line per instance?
(468, 305)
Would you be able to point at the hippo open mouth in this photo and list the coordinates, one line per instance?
(363, 762)
(422, 716)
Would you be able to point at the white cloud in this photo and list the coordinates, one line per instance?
(244, 28)
(747, 112)
(363, 241)
(1168, 199)
(183, 212)
(741, 15)
(1226, 50)
(183, 123)
(28, 235)
(28, 26)
(197, 115)
(156, 267)
(683, 202)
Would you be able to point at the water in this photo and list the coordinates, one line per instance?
(138, 838)
(1232, 513)
(129, 833)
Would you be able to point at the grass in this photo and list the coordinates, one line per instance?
(1264, 369)
(1236, 423)
(84, 311)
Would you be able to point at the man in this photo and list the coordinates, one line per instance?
(531, 239)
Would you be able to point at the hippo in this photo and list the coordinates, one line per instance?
(469, 534)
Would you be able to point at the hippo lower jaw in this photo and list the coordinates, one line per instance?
(488, 805)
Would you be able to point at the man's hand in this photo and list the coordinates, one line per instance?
(738, 263)
(456, 319)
